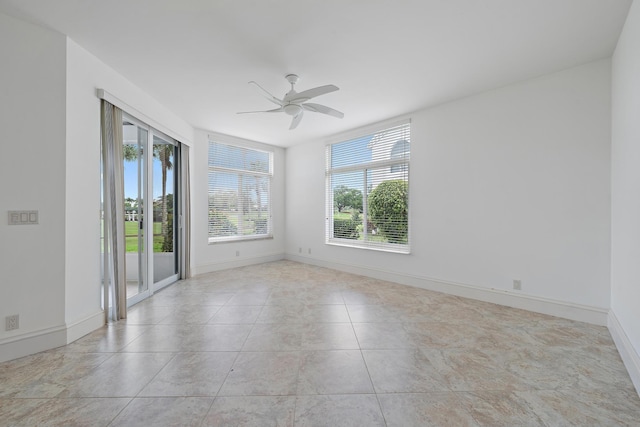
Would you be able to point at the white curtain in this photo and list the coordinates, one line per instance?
(115, 284)
(185, 270)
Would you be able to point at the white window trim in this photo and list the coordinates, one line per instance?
(369, 130)
(235, 142)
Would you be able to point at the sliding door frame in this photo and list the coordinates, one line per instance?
(148, 213)
(177, 209)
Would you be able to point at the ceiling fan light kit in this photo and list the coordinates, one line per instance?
(295, 104)
(292, 109)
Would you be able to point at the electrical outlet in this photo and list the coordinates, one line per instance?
(237, 253)
(299, 250)
(12, 322)
(309, 251)
(517, 285)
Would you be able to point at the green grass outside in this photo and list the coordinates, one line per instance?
(342, 215)
(131, 236)
(370, 237)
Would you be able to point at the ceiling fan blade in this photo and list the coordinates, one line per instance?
(276, 110)
(267, 94)
(296, 120)
(317, 108)
(311, 93)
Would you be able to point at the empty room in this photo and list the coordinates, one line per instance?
(320, 213)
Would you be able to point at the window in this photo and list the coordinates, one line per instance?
(368, 190)
(400, 150)
(239, 193)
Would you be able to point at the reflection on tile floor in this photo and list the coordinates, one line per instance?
(284, 344)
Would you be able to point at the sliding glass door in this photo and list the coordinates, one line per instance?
(151, 209)
(165, 254)
(134, 140)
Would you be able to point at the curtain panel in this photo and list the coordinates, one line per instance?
(114, 279)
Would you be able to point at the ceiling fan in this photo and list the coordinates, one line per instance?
(295, 104)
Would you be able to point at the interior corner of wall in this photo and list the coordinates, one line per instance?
(629, 355)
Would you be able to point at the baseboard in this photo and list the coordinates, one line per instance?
(566, 310)
(32, 342)
(84, 326)
(46, 339)
(629, 356)
(233, 263)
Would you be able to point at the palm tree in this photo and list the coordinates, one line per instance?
(260, 186)
(130, 152)
(260, 183)
(164, 153)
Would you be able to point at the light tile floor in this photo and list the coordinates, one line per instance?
(285, 344)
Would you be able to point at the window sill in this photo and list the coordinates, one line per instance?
(406, 250)
(239, 239)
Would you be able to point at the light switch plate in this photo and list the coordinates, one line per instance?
(23, 217)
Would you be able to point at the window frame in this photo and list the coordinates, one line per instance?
(240, 173)
(366, 168)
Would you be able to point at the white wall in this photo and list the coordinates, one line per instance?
(625, 213)
(50, 121)
(212, 257)
(85, 74)
(509, 184)
(32, 168)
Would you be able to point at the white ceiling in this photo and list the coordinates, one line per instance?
(388, 57)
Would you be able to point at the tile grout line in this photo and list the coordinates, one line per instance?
(239, 351)
(375, 392)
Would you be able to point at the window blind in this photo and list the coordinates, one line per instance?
(367, 200)
(239, 192)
